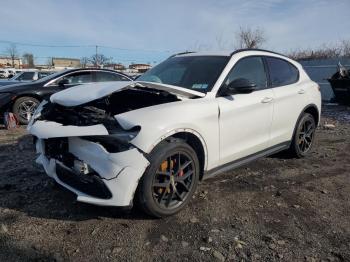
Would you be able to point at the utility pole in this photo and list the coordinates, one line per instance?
(96, 60)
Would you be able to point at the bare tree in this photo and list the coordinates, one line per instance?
(12, 52)
(49, 62)
(28, 59)
(323, 52)
(99, 60)
(84, 61)
(345, 46)
(250, 37)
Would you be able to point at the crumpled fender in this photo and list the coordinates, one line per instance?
(107, 164)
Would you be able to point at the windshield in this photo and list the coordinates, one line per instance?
(49, 77)
(197, 73)
(15, 76)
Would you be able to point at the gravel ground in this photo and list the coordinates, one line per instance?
(275, 209)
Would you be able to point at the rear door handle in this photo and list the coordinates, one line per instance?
(301, 91)
(266, 100)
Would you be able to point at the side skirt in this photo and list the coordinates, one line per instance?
(245, 160)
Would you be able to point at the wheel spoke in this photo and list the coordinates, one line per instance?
(25, 107)
(183, 185)
(310, 132)
(170, 197)
(186, 165)
(161, 197)
(178, 195)
(184, 177)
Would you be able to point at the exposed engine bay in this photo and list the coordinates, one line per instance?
(101, 111)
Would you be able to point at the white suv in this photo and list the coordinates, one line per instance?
(191, 117)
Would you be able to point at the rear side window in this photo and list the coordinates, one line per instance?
(107, 76)
(281, 72)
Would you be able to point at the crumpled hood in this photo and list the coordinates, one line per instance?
(83, 94)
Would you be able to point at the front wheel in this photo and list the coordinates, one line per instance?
(171, 179)
(24, 108)
(304, 136)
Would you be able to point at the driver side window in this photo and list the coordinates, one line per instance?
(251, 68)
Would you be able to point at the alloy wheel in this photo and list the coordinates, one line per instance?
(26, 109)
(173, 181)
(306, 135)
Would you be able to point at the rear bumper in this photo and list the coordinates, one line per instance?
(116, 175)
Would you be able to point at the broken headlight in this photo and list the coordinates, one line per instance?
(117, 141)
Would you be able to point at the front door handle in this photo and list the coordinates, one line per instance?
(266, 100)
(301, 91)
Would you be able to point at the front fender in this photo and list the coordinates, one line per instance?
(199, 117)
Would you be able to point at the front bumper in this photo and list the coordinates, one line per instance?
(115, 175)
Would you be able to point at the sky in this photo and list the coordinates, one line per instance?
(136, 31)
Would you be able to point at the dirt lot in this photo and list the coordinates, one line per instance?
(275, 209)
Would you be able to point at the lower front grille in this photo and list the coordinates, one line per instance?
(57, 148)
(90, 184)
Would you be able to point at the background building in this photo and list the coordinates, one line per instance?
(141, 68)
(118, 67)
(62, 63)
(7, 62)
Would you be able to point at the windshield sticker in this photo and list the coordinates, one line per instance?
(199, 86)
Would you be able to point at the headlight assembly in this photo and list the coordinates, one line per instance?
(116, 142)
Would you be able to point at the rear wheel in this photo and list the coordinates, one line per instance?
(304, 136)
(171, 179)
(24, 108)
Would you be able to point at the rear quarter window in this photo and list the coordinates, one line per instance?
(281, 72)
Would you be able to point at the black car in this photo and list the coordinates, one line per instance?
(25, 76)
(23, 99)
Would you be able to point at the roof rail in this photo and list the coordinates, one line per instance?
(183, 53)
(255, 49)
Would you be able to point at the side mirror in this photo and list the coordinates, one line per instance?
(239, 86)
(63, 82)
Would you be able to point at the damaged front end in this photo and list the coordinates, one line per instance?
(83, 147)
(85, 150)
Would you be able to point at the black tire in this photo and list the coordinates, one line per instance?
(303, 137)
(150, 198)
(20, 106)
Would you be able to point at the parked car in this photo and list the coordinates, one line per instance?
(22, 99)
(25, 76)
(7, 72)
(189, 118)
